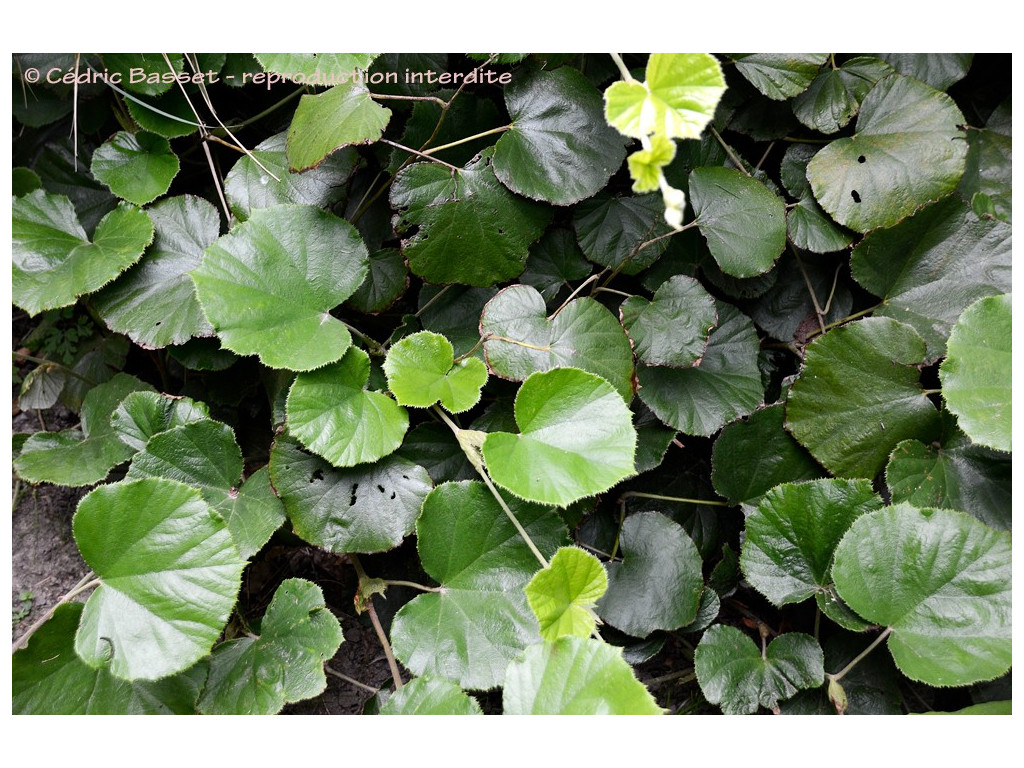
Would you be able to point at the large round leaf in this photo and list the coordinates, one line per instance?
(576, 439)
(858, 395)
(48, 678)
(930, 267)
(743, 221)
(575, 676)
(154, 303)
(672, 328)
(562, 595)
(332, 414)
(659, 583)
(734, 674)
(54, 260)
(463, 226)
(421, 371)
(908, 151)
(726, 384)
(940, 580)
(137, 167)
(369, 508)
(480, 620)
(325, 122)
(976, 374)
(559, 148)
(268, 286)
(170, 574)
(430, 696)
(792, 535)
(519, 339)
(259, 675)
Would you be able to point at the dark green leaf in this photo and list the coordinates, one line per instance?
(611, 231)
(780, 75)
(137, 167)
(988, 178)
(555, 263)
(939, 70)
(672, 329)
(831, 101)
(386, 281)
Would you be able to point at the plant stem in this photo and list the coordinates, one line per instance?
(388, 653)
(476, 346)
(810, 289)
(44, 361)
(416, 152)
(475, 136)
(618, 531)
(680, 499)
(845, 320)
(729, 151)
(684, 676)
(375, 348)
(433, 298)
(494, 337)
(623, 69)
(840, 675)
(573, 295)
(88, 582)
(413, 584)
(396, 97)
(931, 392)
(269, 110)
(351, 681)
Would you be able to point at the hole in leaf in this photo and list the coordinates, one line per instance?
(862, 159)
(158, 323)
(393, 494)
(855, 196)
(317, 475)
(352, 499)
(380, 488)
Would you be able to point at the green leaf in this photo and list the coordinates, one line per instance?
(248, 185)
(547, 680)
(734, 674)
(454, 312)
(576, 439)
(204, 455)
(154, 303)
(258, 676)
(170, 576)
(559, 149)
(24, 180)
(172, 105)
(421, 371)
(835, 95)
(369, 508)
(137, 167)
(930, 267)
(908, 151)
(434, 447)
(985, 708)
(742, 220)
(555, 264)
(653, 437)
(611, 231)
(726, 384)
(48, 678)
(988, 178)
(480, 620)
(858, 395)
(787, 309)
(332, 414)
(430, 696)
(672, 329)
(646, 166)
(658, 585)
(940, 580)
(562, 595)
(83, 456)
(754, 454)
(955, 474)
(780, 76)
(268, 285)
(807, 225)
(385, 283)
(339, 117)
(939, 70)
(677, 99)
(306, 67)
(519, 339)
(463, 226)
(976, 374)
(143, 414)
(143, 73)
(792, 534)
(54, 260)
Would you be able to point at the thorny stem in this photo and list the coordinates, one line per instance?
(383, 638)
(841, 674)
(88, 582)
(475, 136)
(680, 499)
(351, 681)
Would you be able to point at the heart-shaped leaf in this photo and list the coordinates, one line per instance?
(368, 508)
(54, 260)
(792, 534)
(268, 285)
(471, 548)
(170, 575)
(559, 149)
(421, 371)
(258, 676)
(137, 167)
(940, 581)
(48, 678)
(676, 100)
(430, 696)
(780, 76)
(154, 303)
(332, 414)
(463, 226)
(615, 231)
(546, 681)
(576, 439)
(858, 395)
(339, 117)
(908, 151)
(519, 339)
(734, 674)
(976, 374)
(832, 100)
(743, 221)
(726, 384)
(562, 595)
(144, 414)
(672, 329)
(659, 583)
